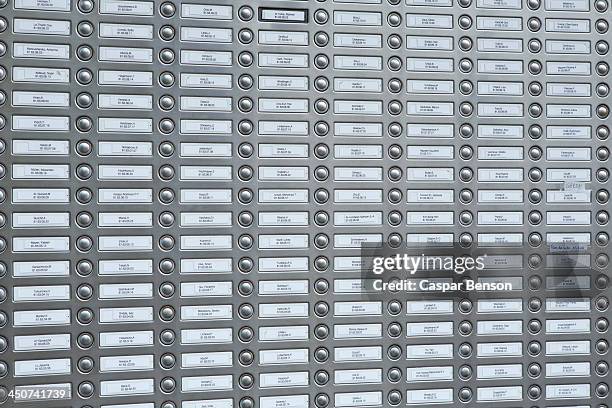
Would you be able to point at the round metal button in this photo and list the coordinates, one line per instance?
(321, 128)
(245, 311)
(534, 392)
(602, 324)
(166, 266)
(394, 397)
(394, 19)
(465, 306)
(166, 172)
(394, 307)
(167, 385)
(466, 196)
(465, 350)
(245, 288)
(85, 28)
(602, 390)
(321, 39)
(86, 389)
(394, 329)
(245, 127)
(465, 43)
(166, 33)
(466, 87)
(246, 334)
(465, 21)
(321, 84)
(601, 346)
(84, 267)
(84, 124)
(534, 348)
(246, 357)
(166, 79)
(167, 337)
(395, 107)
(166, 125)
(394, 129)
(166, 242)
(321, 16)
(321, 241)
(85, 364)
(394, 240)
(85, 6)
(85, 340)
(394, 374)
(395, 196)
(166, 313)
(601, 368)
(245, 13)
(166, 102)
(601, 26)
(245, 241)
(534, 24)
(321, 377)
(167, 9)
(535, 305)
(84, 291)
(84, 100)
(535, 67)
(535, 88)
(465, 394)
(394, 41)
(466, 174)
(534, 370)
(465, 65)
(466, 152)
(321, 286)
(394, 352)
(394, 63)
(395, 218)
(321, 106)
(466, 130)
(246, 402)
(167, 361)
(245, 265)
(166, 219)
(601, 5)
(465, 372)
(602, 303)
(465, 328)
(166, 290)
(84, 52)
(321, 354)
(245, 36)
(533, 4)
(602, 239)
(395, 174)
(321, 61)
(321, 400)
(84, 243)
(166, 56)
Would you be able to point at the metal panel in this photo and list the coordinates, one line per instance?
(251, 127)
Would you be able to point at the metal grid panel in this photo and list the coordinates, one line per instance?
(248, 157)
